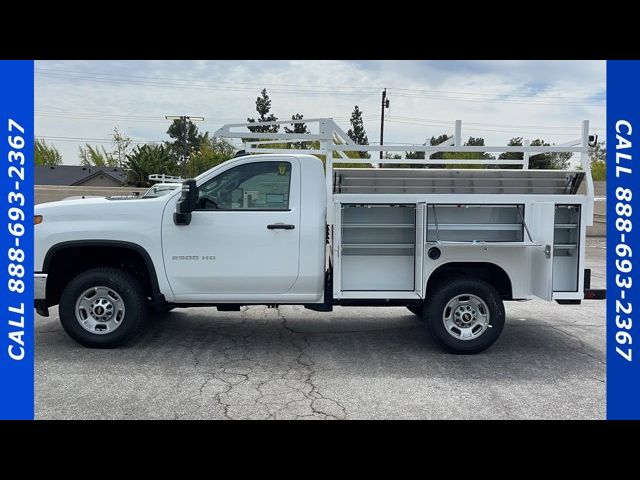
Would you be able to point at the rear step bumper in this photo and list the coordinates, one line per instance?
(592, 293)
(589, 293)
(595, 294)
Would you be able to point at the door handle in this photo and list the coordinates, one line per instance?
(280, 226)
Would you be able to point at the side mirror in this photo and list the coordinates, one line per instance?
(187, 203)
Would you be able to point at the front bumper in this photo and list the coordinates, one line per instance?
(40, 294)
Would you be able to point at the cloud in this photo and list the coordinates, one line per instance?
(495, 99)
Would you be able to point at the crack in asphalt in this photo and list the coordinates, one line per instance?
(244, 385)
(314, 395)
(581, 349)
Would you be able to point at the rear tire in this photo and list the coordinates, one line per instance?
(102, 308)
(465, 316)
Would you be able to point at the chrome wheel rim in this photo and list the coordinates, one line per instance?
(100, 310)
(466, 317)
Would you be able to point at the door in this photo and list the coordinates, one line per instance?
(541, 226)
(421, 209)
(243, 238)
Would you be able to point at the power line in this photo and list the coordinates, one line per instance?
(305, 90)
(92, 140)
(510, 125)
(491, 100)
(191, 85)
(50, 71)
(391, 118)
(493, 94)
(369, 89)
(150, 118)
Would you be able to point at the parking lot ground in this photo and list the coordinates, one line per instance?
(353, 363)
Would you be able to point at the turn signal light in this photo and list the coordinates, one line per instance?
(37, 219)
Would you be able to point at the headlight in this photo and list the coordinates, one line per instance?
(37, 219)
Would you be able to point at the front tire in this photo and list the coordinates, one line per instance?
(465, 316)
(102, 308)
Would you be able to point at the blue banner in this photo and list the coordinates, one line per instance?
(16, 240)
(623, 285)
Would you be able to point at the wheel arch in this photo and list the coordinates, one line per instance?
(115, 253)
(490, 272)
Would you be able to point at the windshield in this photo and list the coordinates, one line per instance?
(160, 190)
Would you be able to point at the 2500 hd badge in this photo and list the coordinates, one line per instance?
(193, 257)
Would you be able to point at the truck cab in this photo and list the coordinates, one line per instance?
(257, 234)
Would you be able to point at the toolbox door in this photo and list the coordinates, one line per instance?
(421, 209)
(541, 254)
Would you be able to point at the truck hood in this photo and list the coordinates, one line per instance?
(100, 209)
(134, 220)
(95, 202)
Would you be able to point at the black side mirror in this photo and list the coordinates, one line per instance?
(187, 203)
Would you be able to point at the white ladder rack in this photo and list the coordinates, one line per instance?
(327, 139)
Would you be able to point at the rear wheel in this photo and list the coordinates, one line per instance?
(465, 315)
(102, 308)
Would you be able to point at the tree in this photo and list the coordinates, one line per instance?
(475, 142)
(415, 156)
(540, 161)
(437, 155)
(437, 141)
(299, 128)
(146, 160)
(46, 154)
(177, 131)
(434, 156)
(560, 160)
(598, 156)
(212, 152)
(472, 142)
(96, 156)
(121, 144)
(548, 161)
(394, 156)
(263, 107)
(357, 132)
(514, 142)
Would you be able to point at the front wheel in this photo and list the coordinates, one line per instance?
(465, 315)
(102, 308)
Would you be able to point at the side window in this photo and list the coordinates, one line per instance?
(253, 186)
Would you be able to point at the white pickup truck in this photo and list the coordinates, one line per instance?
(450, 244)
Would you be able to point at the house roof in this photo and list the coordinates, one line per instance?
(74, 174)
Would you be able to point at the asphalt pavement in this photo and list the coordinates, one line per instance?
(353, 363)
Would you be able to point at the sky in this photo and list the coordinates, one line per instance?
(80, 102)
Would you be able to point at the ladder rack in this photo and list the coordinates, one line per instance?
(162, 178)
(329, 141)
